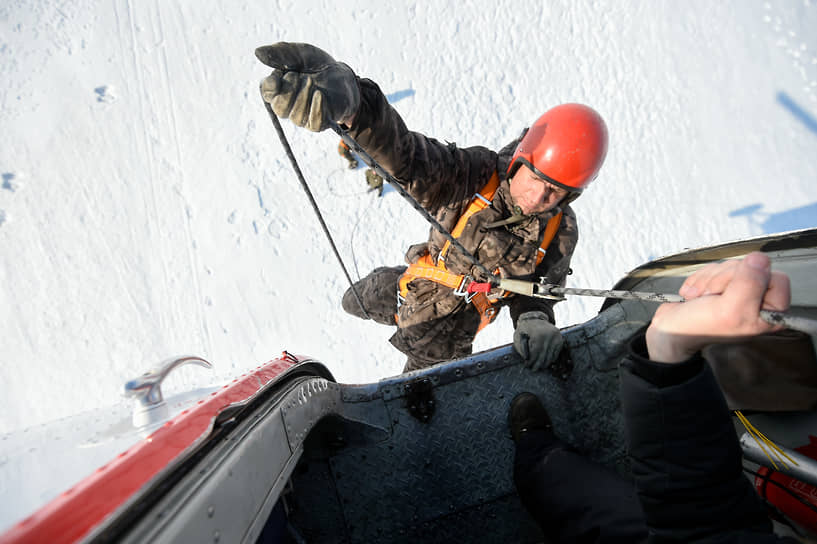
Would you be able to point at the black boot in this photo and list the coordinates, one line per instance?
(527, 414)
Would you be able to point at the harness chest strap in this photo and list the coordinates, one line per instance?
(481, 200)
(426, 268)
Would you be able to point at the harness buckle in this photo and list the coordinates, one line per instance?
(462, 289)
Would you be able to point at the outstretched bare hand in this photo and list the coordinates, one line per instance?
(723, 304)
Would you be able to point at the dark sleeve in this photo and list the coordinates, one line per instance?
(554, 268)
(436, 174)
(686, 459)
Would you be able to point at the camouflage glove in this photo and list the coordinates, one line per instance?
(374, 181)
(537, 340)
(415, 252)
(308, 86)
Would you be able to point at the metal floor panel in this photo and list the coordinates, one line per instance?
(451, 479)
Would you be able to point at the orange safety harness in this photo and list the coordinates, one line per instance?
(427, 269)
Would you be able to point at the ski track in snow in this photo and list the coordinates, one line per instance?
(158, 214)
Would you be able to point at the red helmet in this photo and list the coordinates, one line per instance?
(566, 146)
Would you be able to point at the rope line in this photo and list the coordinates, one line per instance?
(794, 322)
(371, 163)
(277, 124)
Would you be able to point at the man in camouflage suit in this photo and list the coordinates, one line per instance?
(538, 175)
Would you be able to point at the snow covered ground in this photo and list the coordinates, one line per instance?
(147, 209)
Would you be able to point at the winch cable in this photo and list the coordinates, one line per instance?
(555, 292)
(279, 129)
(353, 145)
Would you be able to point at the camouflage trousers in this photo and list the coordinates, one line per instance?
(424, 344)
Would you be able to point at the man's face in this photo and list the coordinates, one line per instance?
(532, 193)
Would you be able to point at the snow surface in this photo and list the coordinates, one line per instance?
(147, 209)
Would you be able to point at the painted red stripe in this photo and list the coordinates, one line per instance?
(78, 510)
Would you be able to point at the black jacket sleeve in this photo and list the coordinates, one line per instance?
(686, 459)
(436, 174)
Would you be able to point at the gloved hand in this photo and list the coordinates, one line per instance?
(308, 86)
(415, 252)
(537, 340)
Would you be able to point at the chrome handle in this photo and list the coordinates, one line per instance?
(146, 390)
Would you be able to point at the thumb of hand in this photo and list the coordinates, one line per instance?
(523, 347)
(297, 57)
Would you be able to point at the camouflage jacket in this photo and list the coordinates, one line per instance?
(444, 179)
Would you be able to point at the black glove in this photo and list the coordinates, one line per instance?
(537, 340)
(308, 86)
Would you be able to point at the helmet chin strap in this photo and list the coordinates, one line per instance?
(516, 217)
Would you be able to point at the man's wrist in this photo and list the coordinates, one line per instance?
(656, 373)
(668, 348)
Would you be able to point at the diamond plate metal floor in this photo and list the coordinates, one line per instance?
(450, 479)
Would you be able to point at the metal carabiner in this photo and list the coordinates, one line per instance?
(462, 289)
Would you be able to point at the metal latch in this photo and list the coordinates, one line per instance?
(420, 399)
(562, 367)
(149, 404)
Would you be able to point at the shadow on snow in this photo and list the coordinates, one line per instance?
(769, 223)
(802, 115)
